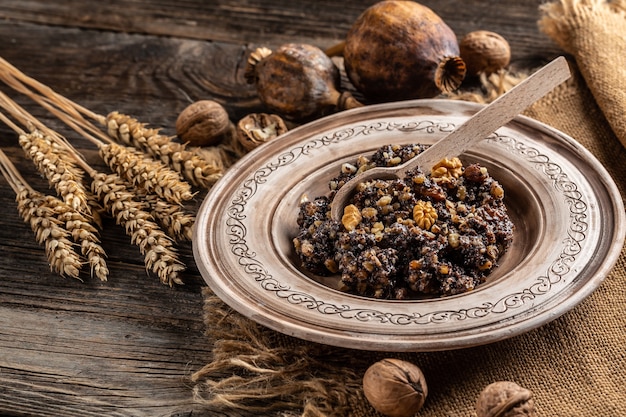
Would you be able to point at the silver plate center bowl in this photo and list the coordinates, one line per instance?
(568, 214)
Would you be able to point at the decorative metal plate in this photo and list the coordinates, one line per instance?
(568, 213)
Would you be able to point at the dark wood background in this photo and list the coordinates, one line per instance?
(129, 345)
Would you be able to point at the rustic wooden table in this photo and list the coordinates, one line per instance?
(129, 345)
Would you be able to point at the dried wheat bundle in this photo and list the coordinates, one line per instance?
(160, 256)
(147, 177)
(197, 166)
(54, 222)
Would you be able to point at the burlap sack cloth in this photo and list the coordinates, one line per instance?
(575, 365)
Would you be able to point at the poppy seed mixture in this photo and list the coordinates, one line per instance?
(430, 234)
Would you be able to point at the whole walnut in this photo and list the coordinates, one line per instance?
(505, 399)
(395, 387)
(203, 123)
(484, 52)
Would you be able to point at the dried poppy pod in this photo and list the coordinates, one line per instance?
(398, 50)
(297, 81)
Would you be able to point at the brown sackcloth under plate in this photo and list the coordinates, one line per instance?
(575, 365)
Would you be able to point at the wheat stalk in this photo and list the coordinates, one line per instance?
(159, 253)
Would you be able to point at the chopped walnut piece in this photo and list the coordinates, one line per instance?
(384, 201)
(306, 248)
(351, 217)
(424, 214)
(497, 191)
(331, 265)
(369, 212)
(447, 169)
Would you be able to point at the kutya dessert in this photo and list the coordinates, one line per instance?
(431, 234)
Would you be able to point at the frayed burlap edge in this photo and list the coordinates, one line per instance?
(593, 31)
(256, 371)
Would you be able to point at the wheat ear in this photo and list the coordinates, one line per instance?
(177, 223)
(84, 233)
(200, 168)
(50, 232)
(62, 175)
(159, 253)
(49, 156)
(146, 173)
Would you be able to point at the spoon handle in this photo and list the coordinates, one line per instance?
(495, 115)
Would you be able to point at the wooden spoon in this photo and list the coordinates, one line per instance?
(476, 128)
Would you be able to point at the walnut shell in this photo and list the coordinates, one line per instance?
(203, 123)
(484, 52)
(505, 399)
(256, 129)
(395, 387)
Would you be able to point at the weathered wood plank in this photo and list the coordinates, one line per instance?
(277, 21)
(124, 347)
(95, 365)
(150, 78)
